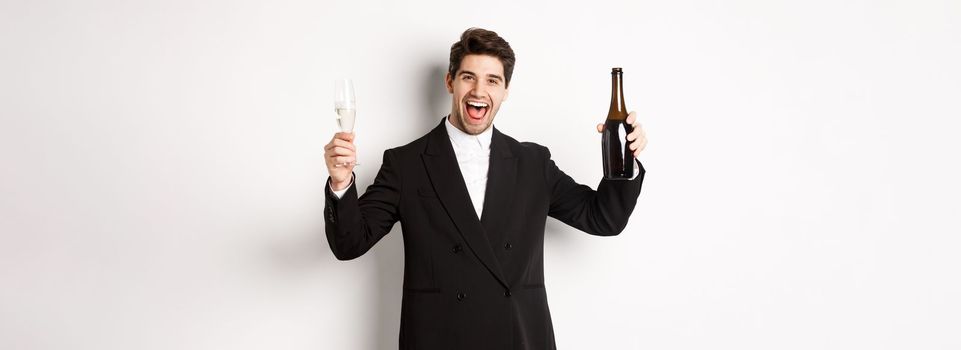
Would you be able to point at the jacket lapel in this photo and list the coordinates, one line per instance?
(501, 178)
(448, 183)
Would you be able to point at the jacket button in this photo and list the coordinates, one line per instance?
(456, 249)
(507, 294)
(461, 296)
(508, 246)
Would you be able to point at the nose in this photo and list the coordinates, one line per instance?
(477, 90)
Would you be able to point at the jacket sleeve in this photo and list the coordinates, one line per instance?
(603, 212)
(354, 225)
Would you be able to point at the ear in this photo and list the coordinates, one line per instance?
(449, 81)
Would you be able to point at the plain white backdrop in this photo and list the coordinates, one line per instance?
(161, 171)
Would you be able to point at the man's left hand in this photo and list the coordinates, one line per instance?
(637, 137)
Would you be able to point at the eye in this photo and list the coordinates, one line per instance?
(492, 81)
(468, 77)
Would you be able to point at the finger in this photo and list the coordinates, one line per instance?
(600, 127)
(639, 130)
(639, 142)
(631, 117)
(345, 144)
(331, 144)
(640, 147)
(635, 134)
(338, 139)
(331, 160)
(342, 151)
(332, 156)
(344, 160)
(346, 136)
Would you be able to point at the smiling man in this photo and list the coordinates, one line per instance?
(472, 203)
(478, 86)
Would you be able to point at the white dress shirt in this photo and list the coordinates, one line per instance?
(473, 154)
(473, 157)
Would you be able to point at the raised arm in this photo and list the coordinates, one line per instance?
(604, 212)
(355, 224)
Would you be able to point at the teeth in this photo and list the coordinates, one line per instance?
(477, 104)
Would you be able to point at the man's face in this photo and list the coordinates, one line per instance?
(477, 90)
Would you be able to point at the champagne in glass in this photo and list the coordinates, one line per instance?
(345, 106)
(345, 119)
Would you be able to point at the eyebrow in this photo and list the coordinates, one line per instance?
(495, 76)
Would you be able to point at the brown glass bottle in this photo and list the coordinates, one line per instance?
(618, 158)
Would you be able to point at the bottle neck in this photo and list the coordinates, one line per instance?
(618, 111)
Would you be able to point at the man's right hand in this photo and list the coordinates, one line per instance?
(340, 156)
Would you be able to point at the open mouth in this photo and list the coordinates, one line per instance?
(476, 110)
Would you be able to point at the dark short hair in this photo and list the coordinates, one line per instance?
(477, 41)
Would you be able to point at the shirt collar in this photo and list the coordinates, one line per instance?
(462, 139)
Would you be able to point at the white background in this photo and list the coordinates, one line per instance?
(161, 178)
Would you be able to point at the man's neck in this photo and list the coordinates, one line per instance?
(459, 128)
(460, 137)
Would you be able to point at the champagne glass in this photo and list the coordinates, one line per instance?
(345, 106)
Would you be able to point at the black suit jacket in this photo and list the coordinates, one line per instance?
(473, 283)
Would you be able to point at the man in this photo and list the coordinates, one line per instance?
(472, 203)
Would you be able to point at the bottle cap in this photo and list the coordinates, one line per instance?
(616, 70)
